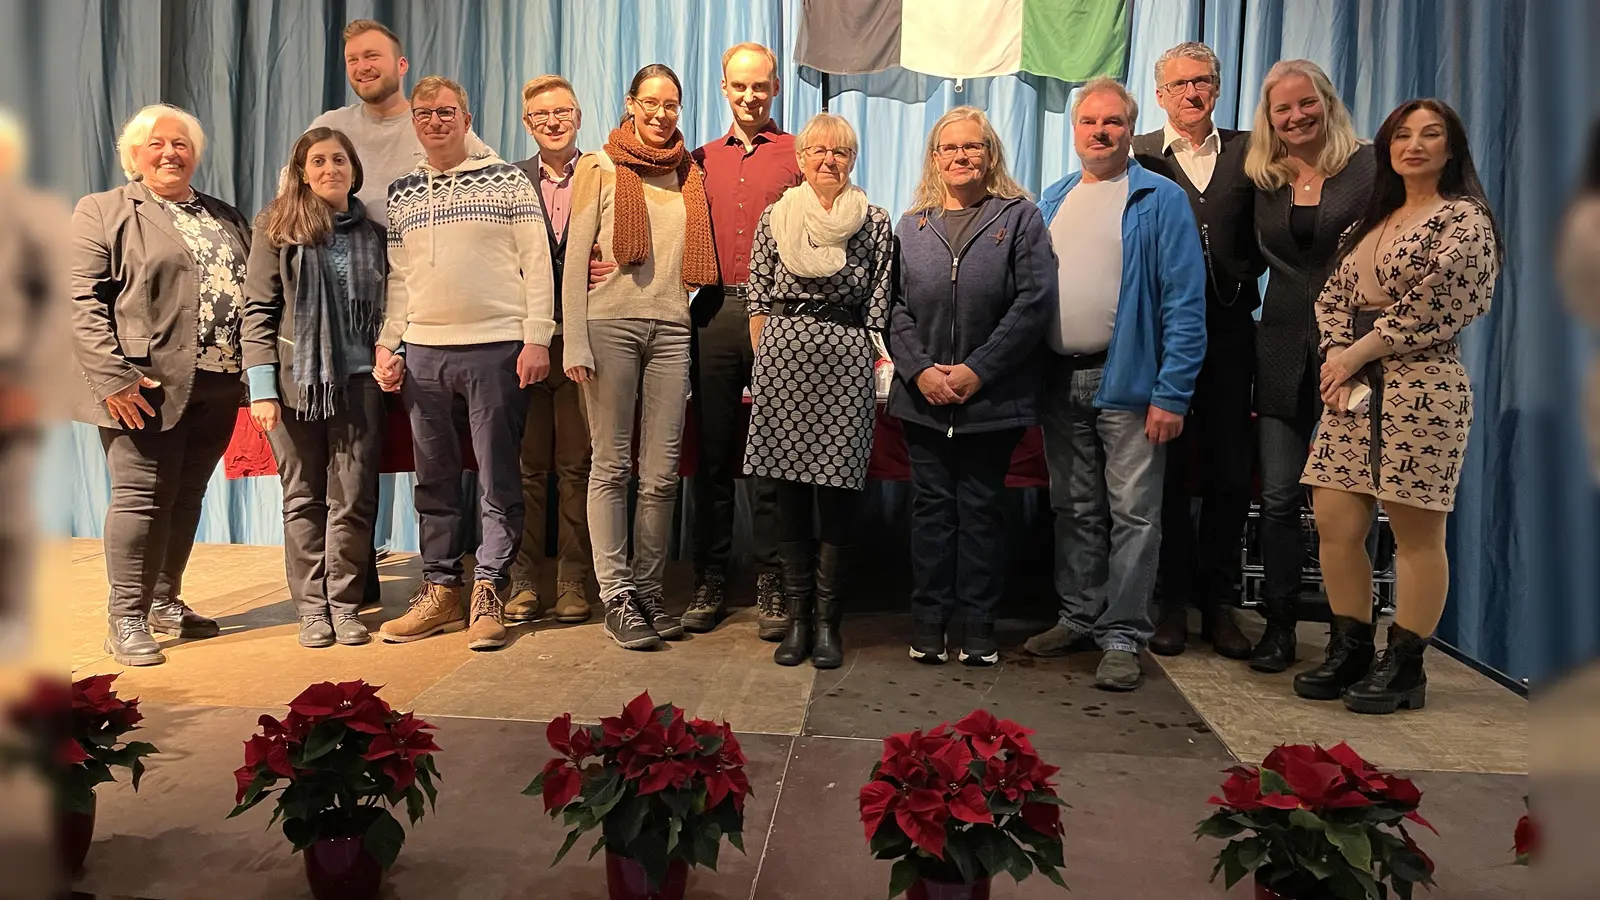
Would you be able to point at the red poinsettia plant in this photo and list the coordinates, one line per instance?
(1322, 824)
(959, 805)
(660, 787)
(338, 762)
(72, 735)
(1526, 840)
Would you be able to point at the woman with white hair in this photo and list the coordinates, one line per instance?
(1312, 176)
(157, 283)
(819, 282)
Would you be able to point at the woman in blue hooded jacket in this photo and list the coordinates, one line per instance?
(976, 281)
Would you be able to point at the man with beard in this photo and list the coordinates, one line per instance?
(380, 125)
(1128, 339)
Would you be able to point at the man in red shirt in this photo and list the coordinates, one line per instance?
(746, 170)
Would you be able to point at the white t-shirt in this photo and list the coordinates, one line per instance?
(1087, 235)
(388, 149)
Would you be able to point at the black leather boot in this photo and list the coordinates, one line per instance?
(1220, 629)
(1396, 681)
(1172, 632)
(1276, 650)
(130, 643)
(174, 617)
(1350, 654)
(831, 576)
(795, 559)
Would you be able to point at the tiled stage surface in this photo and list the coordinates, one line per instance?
(1136, 768)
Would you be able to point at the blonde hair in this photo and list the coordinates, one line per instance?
(753, 47)
(433, 84)
(837, 126)
(13, 146)
(1104, 85)
(362, 26)
(537, 86)
(1267, 161)
(997, 181)
(137, 131)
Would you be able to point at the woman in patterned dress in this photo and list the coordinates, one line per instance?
(819, 282)
(1414, 270)
(157, 298)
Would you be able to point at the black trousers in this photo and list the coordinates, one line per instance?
(483, 378)
(802, 508)
(1201, 562)
(158, 483)
(1284, 444)
(958, 557)
(329, 470)
(720, 373)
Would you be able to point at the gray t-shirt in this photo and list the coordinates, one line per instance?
(958, 223)
(388, 148)
(1087, 235)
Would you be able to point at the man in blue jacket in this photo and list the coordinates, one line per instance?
(1128, 339)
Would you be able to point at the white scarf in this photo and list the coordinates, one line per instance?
(811, 239)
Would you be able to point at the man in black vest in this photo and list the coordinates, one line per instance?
(557, 435)
(1201, 566)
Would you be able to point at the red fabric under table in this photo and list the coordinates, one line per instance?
(248, 453)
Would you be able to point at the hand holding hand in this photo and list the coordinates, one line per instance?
(935, 386)
(962, 380)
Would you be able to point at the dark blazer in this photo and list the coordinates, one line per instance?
(1286, 339)
(271, 290)
(558, 248)
(135, 300)
(990, 313)
(1225, 212)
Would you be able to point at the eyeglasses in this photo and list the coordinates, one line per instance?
(446, 114)
(842, 154)
(670, 109)
(564, 114)
(976, 148)
(1203, 84)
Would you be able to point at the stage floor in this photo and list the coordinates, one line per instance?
(1136, 768)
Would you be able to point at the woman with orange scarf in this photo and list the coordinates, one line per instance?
(641, 201)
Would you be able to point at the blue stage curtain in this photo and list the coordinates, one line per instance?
(1522, 539)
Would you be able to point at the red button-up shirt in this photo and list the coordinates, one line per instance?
(740, 186)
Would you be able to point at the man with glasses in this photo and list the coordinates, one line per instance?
(470, 293)
(557, 435)
(1201, 562)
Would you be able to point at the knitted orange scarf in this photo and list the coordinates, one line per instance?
(630, 230)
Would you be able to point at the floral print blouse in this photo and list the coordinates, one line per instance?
(219, 265)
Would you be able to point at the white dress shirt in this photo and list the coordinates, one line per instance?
(1198, 164)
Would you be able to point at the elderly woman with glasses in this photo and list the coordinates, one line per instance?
(157, 285)
(819, 283)
(976, 293)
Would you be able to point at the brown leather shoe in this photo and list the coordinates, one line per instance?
(523, 607)
(572, 603)
(435, 609)
(1172, 632)
(1222, 630)
(487, 631)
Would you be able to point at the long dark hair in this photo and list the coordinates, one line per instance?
(1591, 169)
(297, 215)
(654, 70)
(1458, 180)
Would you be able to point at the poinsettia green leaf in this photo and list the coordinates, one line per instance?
(299, 832)
(736, 839)
(901, 877)
(384, 838)
(598, 846)
(958, 852)
(1232, 866)
(1305, 818)
(572, 838)
(324, 737)
(1273, 783)
(1218, 826)
(1353, 844)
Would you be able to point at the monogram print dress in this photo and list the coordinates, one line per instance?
(1417, 289)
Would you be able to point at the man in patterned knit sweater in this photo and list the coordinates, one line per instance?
(471, 295)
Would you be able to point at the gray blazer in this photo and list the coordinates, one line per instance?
(135, 300)
(271, 290)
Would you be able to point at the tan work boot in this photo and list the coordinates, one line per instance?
(435, 609)
(523, 607)
(486, 632)
(572, 603)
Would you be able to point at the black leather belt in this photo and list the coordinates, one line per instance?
(827, 312)
(1084, 360)
(1372, 375)
(738, 293)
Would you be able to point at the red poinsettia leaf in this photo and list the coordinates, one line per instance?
(951, 760)
(1044, 818)
(1348, 798)
(922, 815)
(1282, 801)
(877, 799)
(1343, 754)
(640, 711)
(1415, 817)
(318, 701)
(559, 734)
(402, 770)
(900, 746)
(970, 806)
(1018, 735)
(69, 753)
(562, 782)
(1401, 790)
(382, 745)
(740, 789)
(1526, 840)
(244, 776)
(1311, 780)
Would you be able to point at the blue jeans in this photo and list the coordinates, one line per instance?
(1105, 487)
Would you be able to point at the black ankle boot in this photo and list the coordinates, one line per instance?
(799, 595)
(829, 650)
(1172, 631)
(129, 642)
(1350, 654)
(1275, 652)
(1396, 681)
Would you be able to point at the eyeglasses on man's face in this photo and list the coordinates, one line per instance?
(446, 114)
(538, 116)
(976, 148)
(652, 107)
(1203, 84)
(842, 154)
